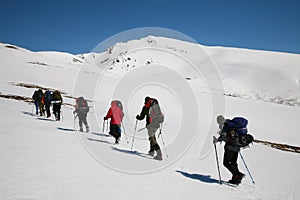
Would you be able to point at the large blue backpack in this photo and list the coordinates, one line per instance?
(240, 125)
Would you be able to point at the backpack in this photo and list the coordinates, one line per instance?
(239, 125)
(155, 113)
(119, 104)
(82, 105)
(56, 95)
(47, 96)
(244, 140)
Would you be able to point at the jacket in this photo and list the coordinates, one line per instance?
(115, 113)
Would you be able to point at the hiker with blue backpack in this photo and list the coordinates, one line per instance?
(48, 98)
(234, 133)
(154, 118)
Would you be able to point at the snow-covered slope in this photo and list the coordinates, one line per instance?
(44, 159)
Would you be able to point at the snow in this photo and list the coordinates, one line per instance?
(44, 159)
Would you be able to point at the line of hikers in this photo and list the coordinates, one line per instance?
(232, 131)
(44, 100)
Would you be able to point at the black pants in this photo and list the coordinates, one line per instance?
(47, 106)
(230, 161)
(115, 131)
(56, 111)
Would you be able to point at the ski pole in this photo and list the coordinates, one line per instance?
(162, 139)
(246, 167)
(125, 132)
(136, 122)
(220, 180)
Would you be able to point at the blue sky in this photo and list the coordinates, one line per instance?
(78, 26)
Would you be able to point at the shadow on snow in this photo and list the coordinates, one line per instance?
(28, 113)
(136, 153)
(65, 129)
(199, 177)
(101, 141)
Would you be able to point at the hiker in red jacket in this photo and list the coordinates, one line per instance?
(115, 114)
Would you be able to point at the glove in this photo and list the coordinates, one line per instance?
(74, 111)
(137, 117)
(215, 140)
(104, 118)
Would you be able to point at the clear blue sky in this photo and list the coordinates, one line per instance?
(78, 26)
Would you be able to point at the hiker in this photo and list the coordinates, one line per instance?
(39, 99)
(82, 109)
(48, 97)
(153, 121)
(56, 102)
(115, 113)
(36, 98)
(229, 134)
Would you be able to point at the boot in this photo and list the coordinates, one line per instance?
(235, 180)
(87, 129)
(240, 176)
(81, 130)
(158, 155)
(151, 153)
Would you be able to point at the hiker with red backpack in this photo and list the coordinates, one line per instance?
(81, 108)
(115, 114)
(154, 118)
(234, 133)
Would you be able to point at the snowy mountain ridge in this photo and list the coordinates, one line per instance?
(237, 67)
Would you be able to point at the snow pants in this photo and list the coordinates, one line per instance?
(56, 111)
(230, 161)
(153, 142)
(82, 119)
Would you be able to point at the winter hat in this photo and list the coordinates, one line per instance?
(221, 119)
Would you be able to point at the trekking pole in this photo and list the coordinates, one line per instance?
(125, 132)
(103, 128)
(32, 109)
(220, 180)
(62, 114)
(246, 167)
(136, 122)
(106, 125)
(162, 139)
(75, 116)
